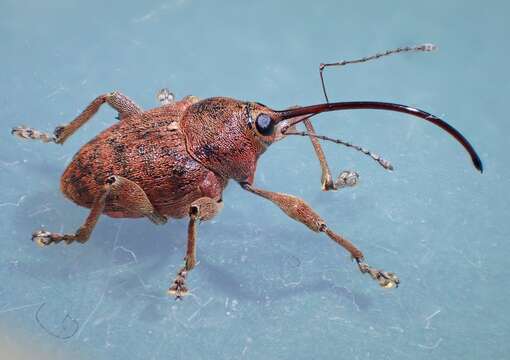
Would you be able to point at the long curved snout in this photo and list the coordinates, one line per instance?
(307, 111)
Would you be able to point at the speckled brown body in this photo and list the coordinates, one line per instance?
(150, 150)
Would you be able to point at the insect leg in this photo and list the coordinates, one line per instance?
(346, 177)
(165, 96)
(202, 209)
(124, 105)
(44, 238)
(130, 196)
(124, 193)
(300, 211)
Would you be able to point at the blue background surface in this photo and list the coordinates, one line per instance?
(266, 287)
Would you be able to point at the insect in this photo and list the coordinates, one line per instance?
(175, 160)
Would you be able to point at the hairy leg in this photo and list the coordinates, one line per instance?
(300, 211)
(202, 209)
(44, 238)
(124, 192)
(131, 196)
(124, 105)
(346, 177)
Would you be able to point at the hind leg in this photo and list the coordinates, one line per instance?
(124, 105)
(125, 193)
(130, 196)
(44, 238)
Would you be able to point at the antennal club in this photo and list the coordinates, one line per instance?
(423, 47)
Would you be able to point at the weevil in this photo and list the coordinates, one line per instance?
(174, 161)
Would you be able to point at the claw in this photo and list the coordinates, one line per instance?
(24, 132)
(388, 280)
(165, 97)
(42, 238)
(178, 288)
(178, 292)
(385, 279)
(347, 178)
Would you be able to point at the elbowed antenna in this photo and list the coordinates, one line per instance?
(316, 109)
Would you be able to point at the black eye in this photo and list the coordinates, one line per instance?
(264, 124)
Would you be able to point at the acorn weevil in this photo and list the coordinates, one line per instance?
(175, 160)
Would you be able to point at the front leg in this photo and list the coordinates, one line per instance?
(346, 177)
(300, 211)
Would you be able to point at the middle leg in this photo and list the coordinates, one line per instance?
(202, 209)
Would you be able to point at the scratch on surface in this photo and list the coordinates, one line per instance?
(14, 204)
(431, 347)
(249, 341)
(404, 309)
(430, 317)
(144, 284)
(158, 348)
(200, 309)
(289, 265)
(60, 89)
(131, 252)
(177, 320)
(65, 158)
(19, 307)
(101, 299)
(93, 311)
(353, 297)
(335, 318)
(145, 17)
(389, 215)
(386, 249)
(43, 209)
(476, 265)
(397, 328)
(153, 14)
(7, 163)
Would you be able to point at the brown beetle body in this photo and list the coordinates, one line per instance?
(175, 161)
(149, 149)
